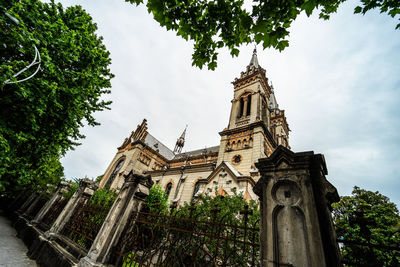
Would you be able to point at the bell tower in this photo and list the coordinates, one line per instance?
(256, 124)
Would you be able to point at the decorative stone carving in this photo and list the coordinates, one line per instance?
(295, 198)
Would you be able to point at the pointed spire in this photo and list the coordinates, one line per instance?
(254, 60)
(183, 134)
(180, 142)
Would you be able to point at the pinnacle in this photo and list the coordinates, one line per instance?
(254, 60)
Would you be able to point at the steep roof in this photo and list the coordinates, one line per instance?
(155, 144)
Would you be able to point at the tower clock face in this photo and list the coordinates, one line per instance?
(236, 159)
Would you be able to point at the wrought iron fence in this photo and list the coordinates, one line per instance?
(53, 213)
(178, 240)
(86, 222)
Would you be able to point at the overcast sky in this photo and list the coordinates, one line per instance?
(339, 82)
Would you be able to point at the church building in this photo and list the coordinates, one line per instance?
(256, 127)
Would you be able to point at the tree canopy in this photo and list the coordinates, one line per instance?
(40, 117)
(366, 223)
(213, 24)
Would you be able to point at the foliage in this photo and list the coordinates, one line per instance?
(157, 200)
(103, 197)
(71, 190)
(226, 209)
(384, 213)
(129, 260)
(40, 118)
(214, 24)
(99, 178)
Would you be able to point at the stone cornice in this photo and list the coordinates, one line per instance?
(250, 126)
(248, 78)
(193, 157)
(187, 169)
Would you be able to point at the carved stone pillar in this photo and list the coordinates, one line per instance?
(130, 199)
(244, 112)
(82, 194)
(295, 198)
(58, 195)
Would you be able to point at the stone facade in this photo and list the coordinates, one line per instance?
(256, 127)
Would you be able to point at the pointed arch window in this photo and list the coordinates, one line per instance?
(241, 107)
(114, 173)
(168, 189)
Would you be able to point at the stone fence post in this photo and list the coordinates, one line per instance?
(83, 193)
(36, 201)
(296, 223)
(130, 199)
(28, 202)
(57, 195)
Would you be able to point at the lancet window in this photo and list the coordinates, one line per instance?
(195, 189)
(168, 189)
(114, 173)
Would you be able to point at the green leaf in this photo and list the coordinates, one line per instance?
(357, 9)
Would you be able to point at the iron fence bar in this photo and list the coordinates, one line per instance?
(187, 231)
(161, 240)
(198, 221)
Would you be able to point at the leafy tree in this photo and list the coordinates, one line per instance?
(213, 24)
(40, 117)
(367, 218)
(103, 197)
(225, 209)
(157, 200)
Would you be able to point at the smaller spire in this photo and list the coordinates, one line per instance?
(254, 60)
(183, 134)
(180, 142)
